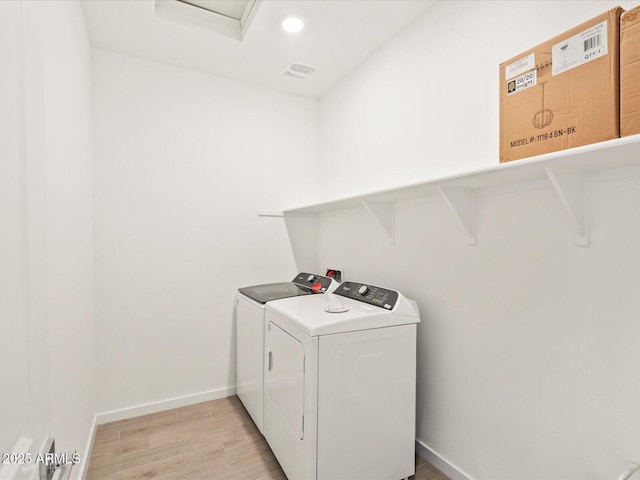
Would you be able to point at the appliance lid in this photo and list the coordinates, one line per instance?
(329, 314)
(273, 291)
(302, 284)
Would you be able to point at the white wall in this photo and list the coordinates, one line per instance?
(14, 407)
(183, 162)
(528, 345)
(47, 227)
(69, 224)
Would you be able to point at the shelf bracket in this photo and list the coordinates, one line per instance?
(382, 212)
(303, 232)
(571, 188)
(462, 202)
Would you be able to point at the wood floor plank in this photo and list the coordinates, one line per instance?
(144, 420)
(183, 429)
(121, 448)
(165, 469)
(426, 471)
(214, 440)
(110, 464)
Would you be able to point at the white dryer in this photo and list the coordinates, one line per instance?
(250, 304)
(340, 384)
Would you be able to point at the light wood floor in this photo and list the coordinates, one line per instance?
(214, 440)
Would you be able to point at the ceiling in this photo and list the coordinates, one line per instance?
(338, 36)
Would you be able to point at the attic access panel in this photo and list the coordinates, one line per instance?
(231, 18)
(229, 8)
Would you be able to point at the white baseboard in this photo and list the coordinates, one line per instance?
(161, 405)
(441, 463)
(88, 448)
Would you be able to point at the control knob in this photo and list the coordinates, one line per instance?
(363, 290)
(311, 278)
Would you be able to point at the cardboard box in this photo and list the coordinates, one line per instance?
(563, 93)
(630, 72)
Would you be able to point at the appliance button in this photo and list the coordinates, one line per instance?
(363, 290)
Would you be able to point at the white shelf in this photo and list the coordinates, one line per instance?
(565, 170)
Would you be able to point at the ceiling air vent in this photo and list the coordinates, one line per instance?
(299, 70)
(227, 17)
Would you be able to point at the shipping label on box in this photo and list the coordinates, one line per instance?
(563, 93)
(579, 49)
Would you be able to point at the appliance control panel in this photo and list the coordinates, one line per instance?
(313, 282)
(378, 296)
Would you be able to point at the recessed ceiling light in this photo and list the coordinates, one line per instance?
(292, 24)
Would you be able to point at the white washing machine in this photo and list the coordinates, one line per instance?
(250, 328)
(340, 384)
